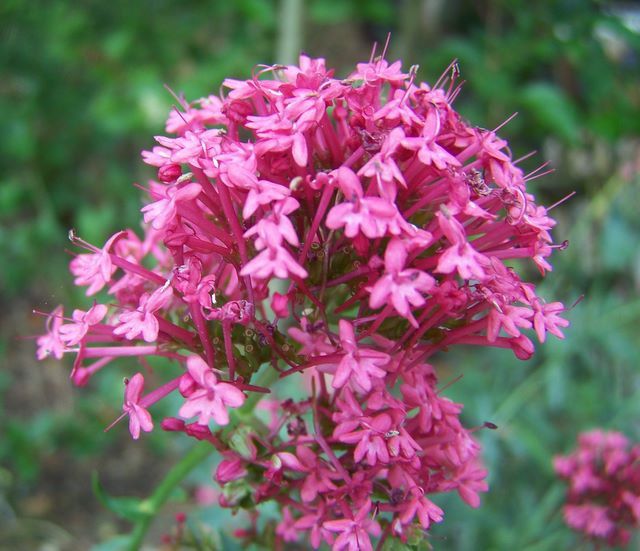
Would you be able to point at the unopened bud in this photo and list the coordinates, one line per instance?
(168, 174)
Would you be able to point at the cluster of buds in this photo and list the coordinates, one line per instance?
(603, 501)
(340, 232)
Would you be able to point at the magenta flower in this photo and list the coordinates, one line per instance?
(143, 321)
(358, 365)
(371, 438)
(139, 417)
(313, 523)
(73, 333)
(210, 399)
(460, 256)
(313, 341)
(354, 533)
(401, 287)
(429, 152)
(419, 506)
(164, 210)
(319, 476)
(94, 269)
(51, 343)
(547, 319)
(273, 261)
(508, 318)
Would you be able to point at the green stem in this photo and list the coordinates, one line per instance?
(290, 31)
(194, 457)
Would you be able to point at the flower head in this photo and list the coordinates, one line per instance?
(342, 232)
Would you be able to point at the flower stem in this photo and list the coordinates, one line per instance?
(196, 455)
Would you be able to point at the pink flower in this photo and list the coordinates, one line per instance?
(460, 256)
(418, 505)
(429, 152)
(139, 417)
(276, 227)
(73, 333)
(280, 305)
(161, 212)
(318, 479)
(546, 319)
(354, 533)
(470, 481)
(143, 321)
(383, 167)
(509, 318)
(371, 438)
(210, 399)
(313, 522)
(314, 342)
(286, 527)
(399, 286)
(358, 365)
(94, 269)
(263, 194)
(275, 261)
(372, 216)
(52, 343)
(591, 519)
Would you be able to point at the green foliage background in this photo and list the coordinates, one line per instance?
(82, 93)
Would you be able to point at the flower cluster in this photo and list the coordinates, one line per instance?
(337, 231)
(603, 474)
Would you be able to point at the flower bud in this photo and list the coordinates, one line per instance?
(169, 173)
(230, 469)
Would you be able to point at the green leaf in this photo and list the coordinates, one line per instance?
(552, 110)
(129, 508)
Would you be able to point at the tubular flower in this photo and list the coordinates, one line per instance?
(342, 232)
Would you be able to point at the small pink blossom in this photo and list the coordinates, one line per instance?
(371, 438)
(211, 399)
(358, 365)
(547, 319)
(418, 505)
(354, 533)
(73, 333)
(161, 212)
(51, 343)
(314, 341)
(276, 261)
(508, 318)
(460, 256)
(403, 287)
(139, 417)
(94, 269)
(143, 320)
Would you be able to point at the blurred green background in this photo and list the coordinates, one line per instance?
(82, 93)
